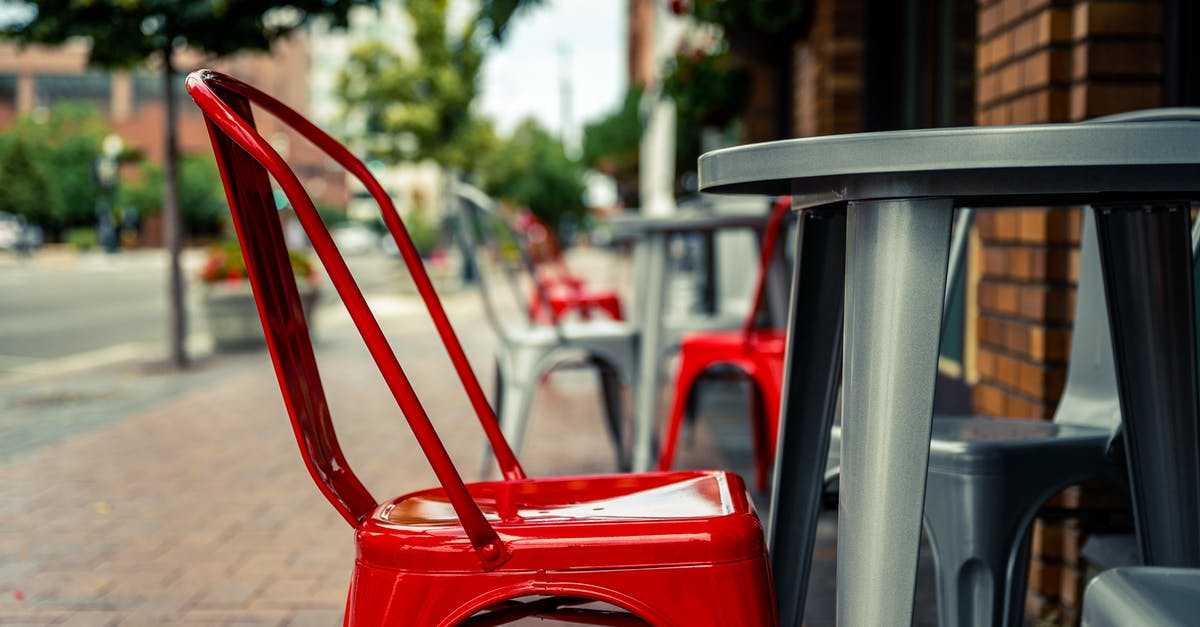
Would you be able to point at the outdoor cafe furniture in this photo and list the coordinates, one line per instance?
(988, 477)
(1143, 595)
(682, 548)
(658, 334)
(879, 206)
(557, 291)
(756, 353)
(531, 348)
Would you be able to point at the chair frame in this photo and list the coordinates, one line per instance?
(661, 547)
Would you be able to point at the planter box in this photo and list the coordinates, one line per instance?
(233, 316)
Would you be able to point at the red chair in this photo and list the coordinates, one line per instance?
(680, 548)
(757, 353)
(560, 292)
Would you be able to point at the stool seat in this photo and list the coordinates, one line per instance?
(569, 523)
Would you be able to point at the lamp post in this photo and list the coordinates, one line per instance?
(106, 171)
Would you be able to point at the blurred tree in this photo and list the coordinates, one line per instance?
(128, 32)
(201, 198)
(760, 35)
(24, 189)
(611, 144)
(405, 108)
(496, 14)
(532, 169)
(59, 147)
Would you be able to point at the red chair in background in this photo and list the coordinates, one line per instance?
(756, 353)
(678, 548)
(565, 292)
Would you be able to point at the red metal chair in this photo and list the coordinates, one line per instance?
(757, 353)
(680, 548)
(557, 285)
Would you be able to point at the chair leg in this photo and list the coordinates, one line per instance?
(620, 430)
(514, 396)
(613, 307)
(980, 537)
(758, 435)
(690, 369)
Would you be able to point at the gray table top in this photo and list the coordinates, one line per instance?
(1141, 156)
(686, 222)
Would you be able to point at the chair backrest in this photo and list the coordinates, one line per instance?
(779, 210)
(245, 159)
(1090, 396)
(480, 223)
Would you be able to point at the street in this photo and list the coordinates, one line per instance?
(61, 310)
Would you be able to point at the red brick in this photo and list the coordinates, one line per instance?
(1117, 18)
(1094, 99)
(1117, 59)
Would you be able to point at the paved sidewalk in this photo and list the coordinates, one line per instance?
(184, 500)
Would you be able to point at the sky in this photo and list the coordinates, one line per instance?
(522, 77)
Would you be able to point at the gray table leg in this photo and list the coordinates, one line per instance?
(651, 349)
(811, 377)
(896, 259)
(1147, 260)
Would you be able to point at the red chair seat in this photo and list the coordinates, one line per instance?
(573, 523)
(564, 299)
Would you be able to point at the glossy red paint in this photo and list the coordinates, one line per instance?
(757, 353)
(679, 548)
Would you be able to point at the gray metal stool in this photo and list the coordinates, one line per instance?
(530, 350)
(1143, 595)
(988, 477)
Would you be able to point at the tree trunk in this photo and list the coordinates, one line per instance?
(172, 222)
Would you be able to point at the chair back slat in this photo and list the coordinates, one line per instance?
(1090, 395)
(260, 235)
(479, 217)
(779, 210)
(212, 92)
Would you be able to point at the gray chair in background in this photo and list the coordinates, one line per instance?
(988, 477)
(530, 349)
(1143, 595)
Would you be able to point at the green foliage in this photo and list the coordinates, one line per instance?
(496, 14)
(423, 230)
(126, 32)
(201, 197)
(82, 238)
(411, 109)
(760, 19)
(24, 190)
(532, 169)
(708, 88)
(225, 262)
(60, 148)
(611, 143)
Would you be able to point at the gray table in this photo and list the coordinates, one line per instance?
(653, 233)
(881, 204)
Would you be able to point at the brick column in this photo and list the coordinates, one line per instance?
(1048, 61)
(828, 71)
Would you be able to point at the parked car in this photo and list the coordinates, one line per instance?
(17, 234)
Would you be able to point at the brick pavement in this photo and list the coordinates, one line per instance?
(198, 510)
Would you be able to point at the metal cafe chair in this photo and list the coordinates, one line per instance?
(536, 345)
(558, 291)
(1143, 595)
(755, 352)
(989, 477)
(681, 548)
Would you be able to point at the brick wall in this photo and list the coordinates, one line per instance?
(1048, 61)
(828, 71)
